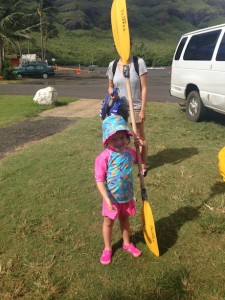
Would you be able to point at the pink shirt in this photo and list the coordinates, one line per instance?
(115, 169)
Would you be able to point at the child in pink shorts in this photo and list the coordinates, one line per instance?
(113, 175)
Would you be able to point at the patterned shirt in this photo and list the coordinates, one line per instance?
(115, 169)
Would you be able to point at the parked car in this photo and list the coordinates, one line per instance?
(198, 72)
(92, 67)
(34, 69)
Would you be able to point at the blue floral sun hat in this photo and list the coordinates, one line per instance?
(111, 125)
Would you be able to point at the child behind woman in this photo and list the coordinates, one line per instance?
(113, 175)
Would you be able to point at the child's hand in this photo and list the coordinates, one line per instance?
(138, 142)
(110, 206)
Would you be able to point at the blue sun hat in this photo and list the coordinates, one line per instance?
(111, 125)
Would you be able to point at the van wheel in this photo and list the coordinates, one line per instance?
(195, 109)
(45, 75)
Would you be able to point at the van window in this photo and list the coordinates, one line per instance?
(180, 48)
(201, 46)
(221, 51)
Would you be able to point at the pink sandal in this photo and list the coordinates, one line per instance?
(132, 249)
(106, 257)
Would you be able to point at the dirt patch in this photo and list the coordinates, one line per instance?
(83, 108)
(50, 122)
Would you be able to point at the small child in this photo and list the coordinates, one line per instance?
(113, 175)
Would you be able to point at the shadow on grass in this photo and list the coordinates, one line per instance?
(166, 229)
(171, 156)
(212, 116)
(116, 246)
(61, 103)
(215, 117)
(217, 188)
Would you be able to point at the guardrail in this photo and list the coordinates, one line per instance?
(77, 71)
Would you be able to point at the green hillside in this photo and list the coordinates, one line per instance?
(155, 26)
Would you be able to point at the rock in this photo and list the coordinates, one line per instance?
(46, 96)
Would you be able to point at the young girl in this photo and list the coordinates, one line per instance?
(113, 175)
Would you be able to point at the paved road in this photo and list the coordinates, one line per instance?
(89, 85)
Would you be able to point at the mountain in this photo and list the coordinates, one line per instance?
(155, 27)
(143, 14)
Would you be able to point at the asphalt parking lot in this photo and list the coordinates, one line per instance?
(92, 85)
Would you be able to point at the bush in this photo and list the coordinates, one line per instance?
(7, 71)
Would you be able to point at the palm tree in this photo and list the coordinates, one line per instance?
(13, 26)
(46, 12)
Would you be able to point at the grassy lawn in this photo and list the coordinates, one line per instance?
(50, 222)
(18, 108)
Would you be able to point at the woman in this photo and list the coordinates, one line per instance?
(138, 83)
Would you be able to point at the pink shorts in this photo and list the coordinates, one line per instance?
(122, 209)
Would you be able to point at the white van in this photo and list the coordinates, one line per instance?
(198, 71)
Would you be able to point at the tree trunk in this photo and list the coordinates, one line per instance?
(41, 33)
(40, 12)
(45, 46)
(1, 55)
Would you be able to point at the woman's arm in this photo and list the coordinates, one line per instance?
(139, 143)
(143, 81)
(110, 87)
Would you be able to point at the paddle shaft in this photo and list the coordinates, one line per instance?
(134, 126)
(121, 37)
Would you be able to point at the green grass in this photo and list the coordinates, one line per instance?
(50, 222)
(18, 108)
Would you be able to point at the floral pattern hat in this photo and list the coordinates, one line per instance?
(111, 125)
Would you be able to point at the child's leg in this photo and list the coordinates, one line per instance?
(107, 232)
(125, 229)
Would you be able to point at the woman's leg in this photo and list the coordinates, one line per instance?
(144, 148)
(107, 232)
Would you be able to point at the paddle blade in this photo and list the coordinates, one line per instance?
(120, 29)
(114, 27)
(148, 226)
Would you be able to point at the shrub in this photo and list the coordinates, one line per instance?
(7, 71)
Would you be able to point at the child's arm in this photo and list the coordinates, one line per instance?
(103, 192)
(100, 174)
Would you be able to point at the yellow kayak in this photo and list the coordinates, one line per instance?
(221, 164)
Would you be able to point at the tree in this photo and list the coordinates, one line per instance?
(14, 25)
(47, 15)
